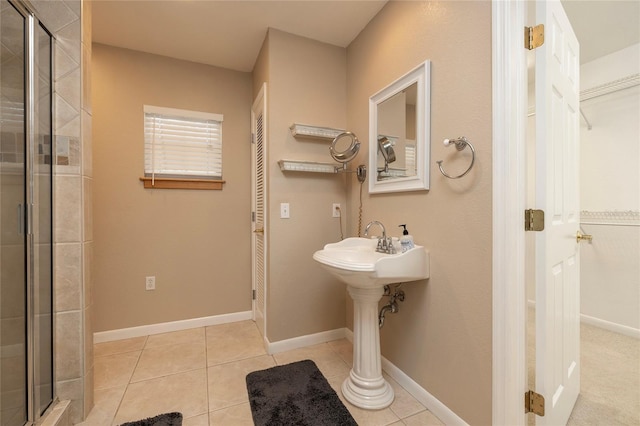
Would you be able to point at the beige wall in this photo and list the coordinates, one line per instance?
(306, 84)
(196, 243)
(260, 73)
(441, 337)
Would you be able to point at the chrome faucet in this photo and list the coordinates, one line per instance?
(385, 245)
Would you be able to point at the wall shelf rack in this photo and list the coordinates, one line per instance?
(307, 166)
(314, 132)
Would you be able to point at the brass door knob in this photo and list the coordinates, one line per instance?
(583, 237)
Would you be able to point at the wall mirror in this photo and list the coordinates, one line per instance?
(399, 133)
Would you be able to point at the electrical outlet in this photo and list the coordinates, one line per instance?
(150, 283)
(336, 211)
(284, 210)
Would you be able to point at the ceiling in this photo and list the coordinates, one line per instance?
(229, 34)
(603, 27)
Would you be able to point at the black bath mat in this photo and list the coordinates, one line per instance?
(168, 419)
(295, 394)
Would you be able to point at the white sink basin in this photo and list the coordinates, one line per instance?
(355, 261)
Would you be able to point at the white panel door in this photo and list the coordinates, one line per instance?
(258, 196)
(557, 193)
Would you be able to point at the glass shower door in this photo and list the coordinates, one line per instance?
(13, 325)
(26, 205)
(41, 158)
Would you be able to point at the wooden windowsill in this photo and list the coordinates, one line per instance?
(178, 183)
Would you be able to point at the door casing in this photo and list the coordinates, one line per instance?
(509, 86)
(259, 230)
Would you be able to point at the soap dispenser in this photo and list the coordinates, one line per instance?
(406, 241)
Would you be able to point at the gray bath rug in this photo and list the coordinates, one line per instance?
(295, 394)
(168, 419)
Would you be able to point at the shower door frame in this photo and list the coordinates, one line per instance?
(31, 117)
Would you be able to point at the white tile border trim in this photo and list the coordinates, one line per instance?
(165, 327)
(441, 411)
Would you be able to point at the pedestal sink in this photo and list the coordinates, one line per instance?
(355, 262)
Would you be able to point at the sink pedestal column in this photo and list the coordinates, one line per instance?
(365, 387)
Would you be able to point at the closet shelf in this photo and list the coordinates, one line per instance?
(307, 166)
(315, 132)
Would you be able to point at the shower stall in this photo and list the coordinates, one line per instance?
(26, 196)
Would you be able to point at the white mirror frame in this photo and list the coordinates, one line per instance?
(422, 76)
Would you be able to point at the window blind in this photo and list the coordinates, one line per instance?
(181, 143)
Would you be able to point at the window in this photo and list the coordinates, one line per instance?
(182, 149)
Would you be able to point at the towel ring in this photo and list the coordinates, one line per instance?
(460, 144)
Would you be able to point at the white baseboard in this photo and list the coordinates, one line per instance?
(303, 341)
(165, 327)
(611, 326)
(607, 325)
(432, 403)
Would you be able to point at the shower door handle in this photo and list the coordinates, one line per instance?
(583, 237)
(20, 220)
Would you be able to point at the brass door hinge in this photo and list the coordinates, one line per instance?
(533, 37)
(534, 403)
(253, 295)
(534, 220)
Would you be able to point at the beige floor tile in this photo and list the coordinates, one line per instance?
(96, 418)
(182, 392)
(119, 346)
(327, 360)
(423, 418)
(201, 420)
(363, 417)
(404, 404)
(107, 401)
(238, 415)
(193, 335)
(372, 417)
(344, 348)
(227, 382)
(159, 361)
(114, 370)
(232, 342)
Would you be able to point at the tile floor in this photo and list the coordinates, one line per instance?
(201, 373)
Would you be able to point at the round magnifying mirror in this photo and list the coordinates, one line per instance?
(386, 149)
(344, 147)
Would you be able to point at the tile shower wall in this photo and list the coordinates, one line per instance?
(70, 22)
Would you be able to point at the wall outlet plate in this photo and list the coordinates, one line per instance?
(336, 210)
(150, 283)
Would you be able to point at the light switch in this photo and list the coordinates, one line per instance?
(284, 210)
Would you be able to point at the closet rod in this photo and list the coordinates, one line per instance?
(589, 126)
(610, 87)
(610, 224)
(604, 89)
